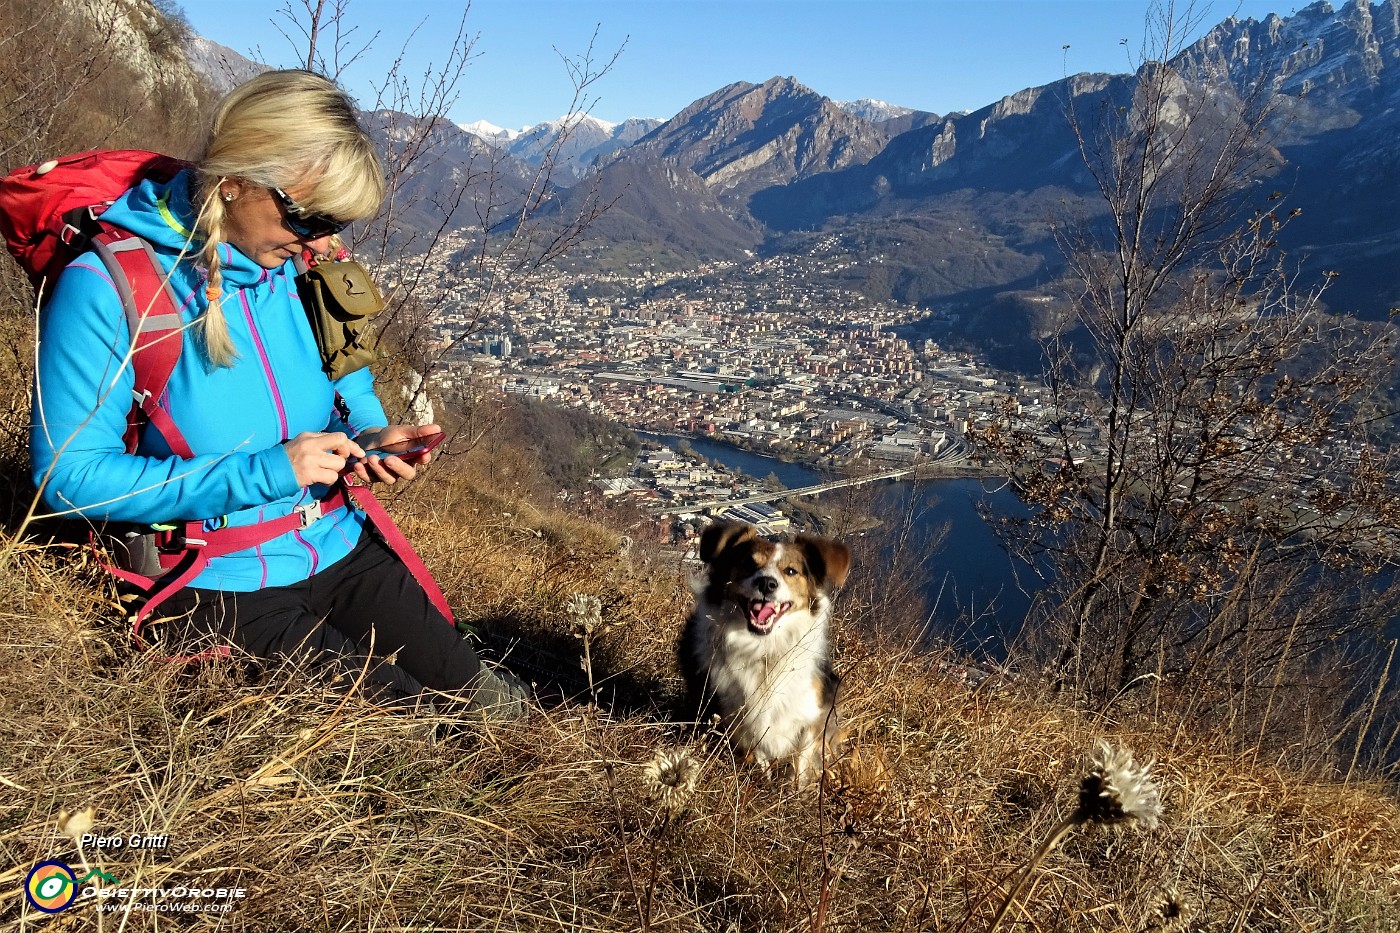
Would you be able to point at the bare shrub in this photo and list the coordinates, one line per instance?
(1214, 514)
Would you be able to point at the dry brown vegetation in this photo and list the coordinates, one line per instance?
(337, 815)
(1211, 501)
(94, 75)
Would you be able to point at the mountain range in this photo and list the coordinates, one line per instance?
(956, 210)
(582, 139)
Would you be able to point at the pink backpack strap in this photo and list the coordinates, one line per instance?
(192, 547)
(364, 497)
(187, 550)
(157, 332)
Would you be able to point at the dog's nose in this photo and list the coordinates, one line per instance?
(766, 585)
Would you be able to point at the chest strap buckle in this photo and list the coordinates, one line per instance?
(310, 513)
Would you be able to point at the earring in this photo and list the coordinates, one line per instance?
(228, 195)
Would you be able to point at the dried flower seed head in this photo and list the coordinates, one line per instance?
(585, 611)
(1117, 789)
(1173, 909)
(77, 824)
(670, 778)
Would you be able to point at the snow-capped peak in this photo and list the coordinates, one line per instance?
(869, 108)
(580, 118)
(489, 131)
(484, 129)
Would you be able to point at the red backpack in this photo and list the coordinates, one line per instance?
(50, 213)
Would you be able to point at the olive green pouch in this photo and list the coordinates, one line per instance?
(340, 300)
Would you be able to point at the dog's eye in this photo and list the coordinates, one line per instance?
(791, 571)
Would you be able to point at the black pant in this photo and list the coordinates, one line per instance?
(364, 616)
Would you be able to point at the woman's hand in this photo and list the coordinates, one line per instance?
(391, 469)
(319, 457)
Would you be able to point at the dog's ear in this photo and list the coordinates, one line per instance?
(828, 560)
(721, 536)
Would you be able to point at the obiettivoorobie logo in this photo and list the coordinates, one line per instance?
(53, 886)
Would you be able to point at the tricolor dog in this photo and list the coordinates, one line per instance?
(755, 648)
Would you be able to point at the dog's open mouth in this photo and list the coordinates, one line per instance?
(763, 615)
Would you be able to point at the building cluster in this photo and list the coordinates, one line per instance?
(767, 354)
(675, 485)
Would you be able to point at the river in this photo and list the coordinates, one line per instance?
(972, 584)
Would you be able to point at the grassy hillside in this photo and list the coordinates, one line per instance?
(602, 812)
(335, 815)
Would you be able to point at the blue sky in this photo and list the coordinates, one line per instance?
(938, 55)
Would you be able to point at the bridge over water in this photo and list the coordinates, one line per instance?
(953, 457)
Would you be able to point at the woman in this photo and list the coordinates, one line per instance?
(287, 166)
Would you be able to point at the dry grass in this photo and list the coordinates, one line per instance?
(338, 816)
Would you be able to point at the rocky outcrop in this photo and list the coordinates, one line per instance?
(222, 67)
(1318, 49)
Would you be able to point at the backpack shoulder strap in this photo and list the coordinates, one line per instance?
(364, 497)
(157, 332)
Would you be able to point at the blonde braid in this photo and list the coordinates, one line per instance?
(218, 345)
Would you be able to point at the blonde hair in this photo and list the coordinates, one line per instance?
(282, 129)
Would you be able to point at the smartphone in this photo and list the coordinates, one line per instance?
(408, 449)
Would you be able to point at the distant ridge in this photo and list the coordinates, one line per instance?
(868, 108)
(587, 140)
(749, 136)
(490, 132)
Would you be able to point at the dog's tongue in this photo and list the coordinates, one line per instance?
(763, 613)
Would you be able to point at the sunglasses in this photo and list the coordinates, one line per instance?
(306, 226)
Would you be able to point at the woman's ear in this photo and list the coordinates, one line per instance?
(230, 189)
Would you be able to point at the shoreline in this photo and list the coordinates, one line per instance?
(921, 471)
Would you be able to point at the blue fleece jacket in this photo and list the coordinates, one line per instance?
(234, 419)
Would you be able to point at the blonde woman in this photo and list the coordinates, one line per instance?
(259, 432)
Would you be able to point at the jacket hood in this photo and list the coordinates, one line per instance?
(163, 214)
